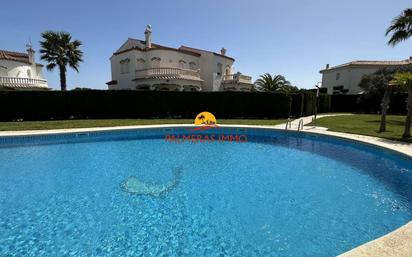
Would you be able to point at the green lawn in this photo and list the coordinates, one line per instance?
(365, 124)
(65, 124)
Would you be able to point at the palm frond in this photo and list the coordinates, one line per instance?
(401, 28)
(58, 49)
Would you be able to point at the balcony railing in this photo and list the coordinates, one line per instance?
(22, 82)
(174, 72)
(237, 78)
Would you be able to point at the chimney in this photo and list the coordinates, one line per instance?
(223, 51)
(148, 36)
(327, 66)
(31, 53)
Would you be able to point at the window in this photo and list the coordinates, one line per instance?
(29, 74)
(156, 62)
(140, 64)
(192, 65)
(227, 71)
(124, 65)
(3, 71)
(182, 64)
(219, 69)
(337, 76)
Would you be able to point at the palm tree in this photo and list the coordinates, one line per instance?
(404, 80)
(277, 83)
(58, 49)
(401, 27)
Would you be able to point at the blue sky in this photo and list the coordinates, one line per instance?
(295, 38)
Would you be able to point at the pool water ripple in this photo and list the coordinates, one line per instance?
(280, 194)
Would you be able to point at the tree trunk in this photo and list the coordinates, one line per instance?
(384, 105)
(407, 132)
(63, 78)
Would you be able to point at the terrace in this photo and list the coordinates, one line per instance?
(21, 83)
(237, 82)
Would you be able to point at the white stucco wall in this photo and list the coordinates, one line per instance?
(19, 70)
(168, 59)
(209, 70)
(207, 63)
(349, 77)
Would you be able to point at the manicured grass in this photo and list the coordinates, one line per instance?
(65, 124)
(365, 125)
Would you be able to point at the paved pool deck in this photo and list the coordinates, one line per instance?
(395, 244)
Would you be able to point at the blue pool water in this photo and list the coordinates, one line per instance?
(279, 194)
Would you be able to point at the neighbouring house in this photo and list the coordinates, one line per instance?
(345, 78)
(19, 71)
(143, 65)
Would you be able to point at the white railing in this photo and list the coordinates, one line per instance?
(166, 72)
(230, 78)
(22, 82)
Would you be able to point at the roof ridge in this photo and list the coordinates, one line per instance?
(379, 60)
(12, 52)
(369, 62)
(208, 51)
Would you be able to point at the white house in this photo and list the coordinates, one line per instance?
(345, 78)
(143, 65)
(20, 71)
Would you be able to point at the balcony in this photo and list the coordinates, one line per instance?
(22, 83)
(167, 73)
(237, 78)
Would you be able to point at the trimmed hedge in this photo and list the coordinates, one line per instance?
(106, 104)
(303, 104)
(344, 103)
(324, 103)
(359, 104)
(309, 103)
(297, 105)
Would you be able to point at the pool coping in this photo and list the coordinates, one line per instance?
(396, 243)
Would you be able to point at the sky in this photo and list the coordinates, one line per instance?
(294, 38)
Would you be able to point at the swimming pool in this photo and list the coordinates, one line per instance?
(132, 193)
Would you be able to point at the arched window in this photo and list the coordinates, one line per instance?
(219, 69)
(124, 65)
(182, 64)
(29, 73)
(140, 64)
(192, 65)
(227, 70)
(156, 62)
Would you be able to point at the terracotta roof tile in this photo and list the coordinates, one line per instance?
(14, 56)
(136, 44)
(199, 51)
(371, 63)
